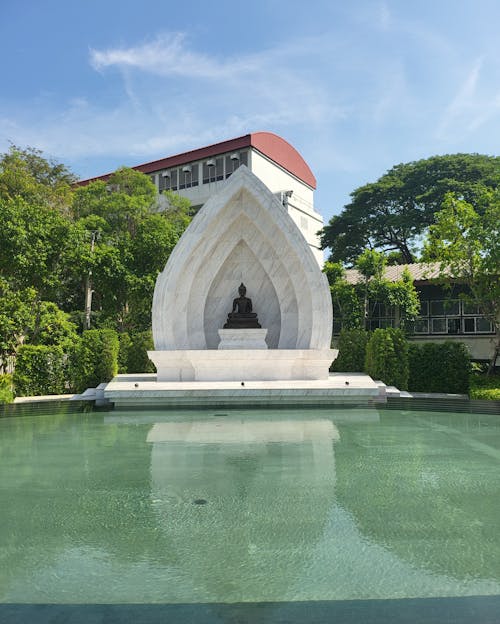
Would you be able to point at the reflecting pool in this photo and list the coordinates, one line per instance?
(253, 507)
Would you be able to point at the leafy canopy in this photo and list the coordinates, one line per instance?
(354, 302)
(392, 213)
(465, 239)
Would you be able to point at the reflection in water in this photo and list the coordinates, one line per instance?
(268, 487)
(248, 506)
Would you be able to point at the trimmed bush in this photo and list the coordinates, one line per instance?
(439, 367)
(40, 370)
(133, 357)
(138, 360)
(125, 344)
(387, 357)
(95, 358)
(352, 351)
(6, 392)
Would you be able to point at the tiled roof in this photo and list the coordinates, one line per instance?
(420, 272)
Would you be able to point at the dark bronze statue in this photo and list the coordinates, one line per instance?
(242, 316)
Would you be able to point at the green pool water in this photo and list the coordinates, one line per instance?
(248, 506)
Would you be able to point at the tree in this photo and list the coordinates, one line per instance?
(16, 319)
(392, 213)
(465, 239)
(354, 302)
(33, 240)
(124, 239)
(26, 173)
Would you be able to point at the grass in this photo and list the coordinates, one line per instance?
(485, 387)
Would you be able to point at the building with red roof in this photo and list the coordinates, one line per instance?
(199, 173)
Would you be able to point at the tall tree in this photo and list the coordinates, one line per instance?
(27, 174)
(129, 236)
(466, 241)
(392, 213)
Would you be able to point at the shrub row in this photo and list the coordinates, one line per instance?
(95, 358)
(387, 357)
(352, 351)
(385, 354)
(439, 367)
(133, 357)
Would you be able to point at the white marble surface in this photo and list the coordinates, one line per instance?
(145, 390)
(242, 339)
(242, 364)
(242, 234)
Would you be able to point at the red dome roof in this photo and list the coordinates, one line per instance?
(279, 150)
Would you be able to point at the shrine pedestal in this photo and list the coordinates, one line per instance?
(242, 339)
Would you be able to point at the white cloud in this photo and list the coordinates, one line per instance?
(167, 55)
(475, 102)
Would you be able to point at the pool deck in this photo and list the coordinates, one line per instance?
(142, 389)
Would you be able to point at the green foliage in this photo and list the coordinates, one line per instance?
(125, 343)
(402, 293)
(26, 174)
(33, 242)
(485, 387)
(345, 299)
(352, 351)
(387, 357)
(466, 241)
(6, 389)
(130, 245)
(52, 327)
(439, 367)
(371, 263)
(40, 370)
(353, 301)
(133, 353)
(16, 318)
(391, 213)
(95, 358)
(123, 199)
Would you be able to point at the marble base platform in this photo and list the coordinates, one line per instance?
(243, 364)
(143, 391)
(242, 339)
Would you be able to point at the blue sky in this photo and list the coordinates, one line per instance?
(355, 87)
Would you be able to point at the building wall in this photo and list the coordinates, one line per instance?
(480, 347)
(300, 204)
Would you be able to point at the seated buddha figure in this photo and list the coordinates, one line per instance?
(242, 316)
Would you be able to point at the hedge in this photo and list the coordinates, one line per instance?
(352, 351)
(40, 370)
(95, 359)
(133, 357)
(439, 367)
(387, 357)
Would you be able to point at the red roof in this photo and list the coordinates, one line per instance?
(269, 144)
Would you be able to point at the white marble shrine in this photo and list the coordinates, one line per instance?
(242, 234)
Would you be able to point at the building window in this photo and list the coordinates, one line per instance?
(169, 180)
(453, 317)
(381, 316)
(213, 170)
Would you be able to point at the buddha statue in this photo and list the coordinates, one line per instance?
(242, 316)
